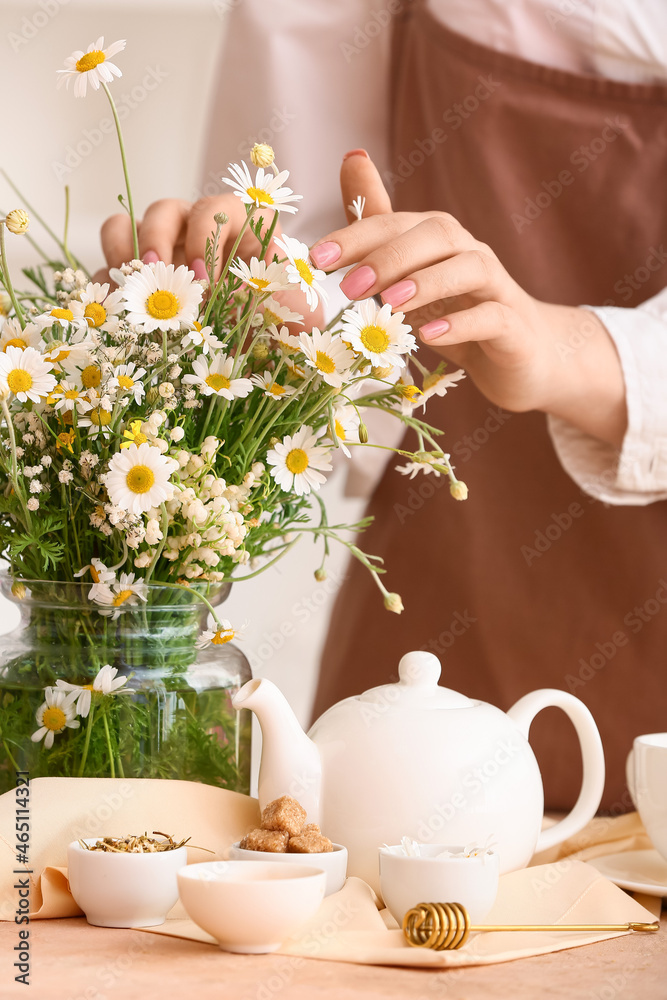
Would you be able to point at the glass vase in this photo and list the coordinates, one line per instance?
(165, 713)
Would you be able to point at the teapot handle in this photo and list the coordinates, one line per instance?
(592, 754)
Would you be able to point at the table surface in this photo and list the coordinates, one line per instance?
(74, 961)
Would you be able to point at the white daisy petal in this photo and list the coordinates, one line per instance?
(92, 66)
(377, 334)
(26, 374)
(139, 478)
(297, 462)
(161, 297)
(213, 377)
(301, 272)
(264, 191)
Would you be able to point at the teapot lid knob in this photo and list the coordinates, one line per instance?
(419, 668)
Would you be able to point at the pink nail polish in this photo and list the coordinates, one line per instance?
(399, 293)
(150, 257)
(432, 330)
(356, 152)
(354, 285)
(325, 254)
(198, 265)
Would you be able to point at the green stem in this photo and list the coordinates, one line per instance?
(225, 269)
(7, 280)
(9, 754)
(35, 215)
(18, 487)
(86, 744)
(70, 259)
(130, 204)
(108, 738)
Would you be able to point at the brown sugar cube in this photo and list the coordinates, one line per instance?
(309, 843)
(284, 813)
(311, 828)
(273, 841)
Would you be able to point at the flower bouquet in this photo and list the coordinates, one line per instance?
(159, 440)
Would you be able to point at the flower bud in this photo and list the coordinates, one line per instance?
(363, 433)
(18, 590)
(262, 155)
(5, 304)
(320, 575)
(381, 372)
(221, 218)
(17, 222)
(260, 351)
(459, 490)
(393, 602)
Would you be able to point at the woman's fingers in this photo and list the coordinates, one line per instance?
(486, 321)
(162, 229)
(360, 178)
(201, 225)
(116, 236)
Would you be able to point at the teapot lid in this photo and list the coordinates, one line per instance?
(418, 686)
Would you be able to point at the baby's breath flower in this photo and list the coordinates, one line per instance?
(33, 503)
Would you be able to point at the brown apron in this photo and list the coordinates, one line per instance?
(529, 583)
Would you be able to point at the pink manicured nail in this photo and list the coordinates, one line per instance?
(356, 152)
(432, 330)
(399, 293)
(354, 285)
(150, 257)
(325, 254)
(198, 265)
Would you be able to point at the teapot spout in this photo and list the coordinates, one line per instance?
(290, 762)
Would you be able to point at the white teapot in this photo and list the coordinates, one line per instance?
(416, 759)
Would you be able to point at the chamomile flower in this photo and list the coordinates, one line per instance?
(14, 336)
(133, 434)
(214, 378)
(378, 335)
(288, 343)
(26, 374)
(346, 426)
(105, 682)
(328, 354)
(123, 591)
(162, 297)
(260, 276)
(69, 396)
(301, 272)
(91, 66)
(201, 336)
(67, 316)
(74, 353)
(275, 314)
(220, 636)
(270, 387)
(297, 462)
(56, 714)
(138, 478)
(438, 382)
(100, 575)
(101, 308)
(412, 468)
(127, 379)
(265, 191)
(98, 421)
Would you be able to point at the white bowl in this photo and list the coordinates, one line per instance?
(406, 881)
(333, 863)
(124, 889)
(250, 908)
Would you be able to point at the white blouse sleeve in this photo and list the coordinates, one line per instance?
(636, 475)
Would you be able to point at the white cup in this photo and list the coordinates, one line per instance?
(646, 772)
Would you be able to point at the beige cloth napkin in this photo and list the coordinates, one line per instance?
(348, 927)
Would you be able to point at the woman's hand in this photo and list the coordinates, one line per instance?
(175, 231)
(522, 354)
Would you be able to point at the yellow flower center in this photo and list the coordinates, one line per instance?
(140, 478)
(100, 417)
(277, 390)
(162, 304)
(125, 382)
(270, 318)
(305, 272)
(16, 342)
(64, 440)
(297, 461)
(217, 382)
(259, 195)
(95, 314)
(90, 61)
(220, 638)
(121, 598)
(374, 339)
(432, 380)
(87, 687)
(94, 574)
(91, 376)
(259, 283)
(324, 363)
(71, 394)
(409, 391)
(19, 380)
(340, 430)
(54, 719)
(196, 324)
(62, 314)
